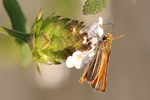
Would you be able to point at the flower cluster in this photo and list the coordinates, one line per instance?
(79, 58)
(54, 38)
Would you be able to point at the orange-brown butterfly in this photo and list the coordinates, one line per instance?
(96, 70)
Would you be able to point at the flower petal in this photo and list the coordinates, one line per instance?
(91, 32)
(86, 59)
(70, 62)
(100, 20)
(76, 53)
(96, 29)
(79, 64)
(100, 31)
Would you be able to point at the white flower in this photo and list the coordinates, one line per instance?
(77, 60)
(100, 19)
(96, 29)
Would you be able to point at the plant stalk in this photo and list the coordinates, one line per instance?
(16, 34)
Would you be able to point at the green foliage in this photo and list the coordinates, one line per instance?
(18, 22)
(94, 6)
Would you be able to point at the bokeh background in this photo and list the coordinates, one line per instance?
(129, 70)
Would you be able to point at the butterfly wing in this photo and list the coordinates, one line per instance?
(96, 71)
(92, 69)
(100, 83)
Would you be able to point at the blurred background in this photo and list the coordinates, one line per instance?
(129, 69)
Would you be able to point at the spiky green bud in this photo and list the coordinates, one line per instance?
(55, 38)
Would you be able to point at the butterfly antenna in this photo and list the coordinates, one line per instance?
(111, 30)
(111, 26)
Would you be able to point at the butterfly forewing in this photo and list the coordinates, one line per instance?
(93, 67)
(99, 84)
(96, 71)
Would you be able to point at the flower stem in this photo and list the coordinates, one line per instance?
(18, 35)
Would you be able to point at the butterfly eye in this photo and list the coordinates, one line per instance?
(105, 38)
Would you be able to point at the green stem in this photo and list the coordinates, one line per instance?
(18, 35)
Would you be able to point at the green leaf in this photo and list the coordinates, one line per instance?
(22, 36)
(16, 16)
(18, 22)
(26, 55)
(94, 6)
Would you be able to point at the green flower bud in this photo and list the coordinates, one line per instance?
(55, 38)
